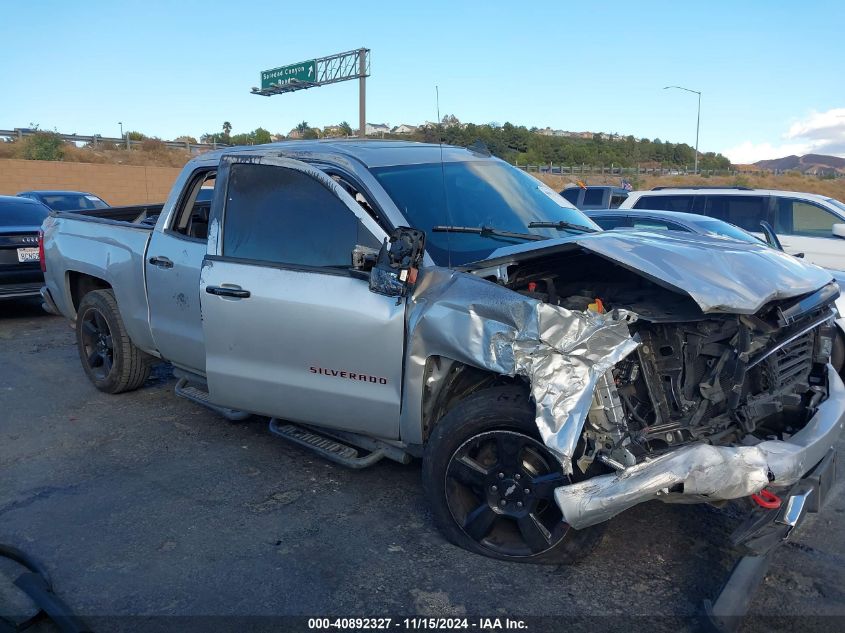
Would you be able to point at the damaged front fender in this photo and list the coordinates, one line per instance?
(562, 353)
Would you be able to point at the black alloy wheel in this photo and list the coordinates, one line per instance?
(500, 490)
(98, 343)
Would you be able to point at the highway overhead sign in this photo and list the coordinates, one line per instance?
(301, 72)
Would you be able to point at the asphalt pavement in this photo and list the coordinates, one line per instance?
(149, 510)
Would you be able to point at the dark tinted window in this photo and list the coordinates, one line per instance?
(474, 193)
(571, 194)
(665, 203)
(801, 217)
(616, 200)
(283, 216)
(73, 202)
(594, 198)
(611, 222)
(22, 212)
(745, 212)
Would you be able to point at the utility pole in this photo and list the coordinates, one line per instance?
(120, 123)
(697, 120)
(362, 93)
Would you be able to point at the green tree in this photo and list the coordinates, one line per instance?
(227, 129)
(345, 128)
(303, 127)
(42, 146)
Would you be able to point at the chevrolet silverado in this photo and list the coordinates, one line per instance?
(389, 299)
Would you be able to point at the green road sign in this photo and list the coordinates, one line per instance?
(303, 71)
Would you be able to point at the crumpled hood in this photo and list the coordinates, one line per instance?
(720, 275)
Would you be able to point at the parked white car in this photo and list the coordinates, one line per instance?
(805, 223)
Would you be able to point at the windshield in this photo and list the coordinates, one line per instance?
(480, 193)
(717, 227)
(73, 202)
(836, 203)
(22, 213)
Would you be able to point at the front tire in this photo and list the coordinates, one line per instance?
(490, 481)
(109, 358)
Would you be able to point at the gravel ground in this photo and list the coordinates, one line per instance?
(145, 504)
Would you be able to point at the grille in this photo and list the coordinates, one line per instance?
(791, 364)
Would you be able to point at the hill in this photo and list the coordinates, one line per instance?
(812, 164)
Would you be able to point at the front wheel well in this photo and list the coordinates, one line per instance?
(80, 284)
(448, 382)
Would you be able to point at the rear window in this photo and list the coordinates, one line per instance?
(594, 198)
(665, 203)
(610, 222)
(22, 213)
(73, 202)
(571, 194)
(616, 200)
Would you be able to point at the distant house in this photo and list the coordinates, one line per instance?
(404, 129)
(332, 131)
(375, 129)
(294, 134)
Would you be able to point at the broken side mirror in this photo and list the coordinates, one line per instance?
(399, 259)
(364, 258)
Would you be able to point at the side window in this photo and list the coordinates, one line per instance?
(284, 216)
(571, 194)
(191, 218)
(665, 203)
(745, 212)
(801, 217)
(594, 198)
(610, 222)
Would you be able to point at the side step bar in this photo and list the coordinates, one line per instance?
(335, 445)
(184, 389)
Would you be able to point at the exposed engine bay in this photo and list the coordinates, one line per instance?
(726, 379)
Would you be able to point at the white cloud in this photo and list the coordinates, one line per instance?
(819, 133)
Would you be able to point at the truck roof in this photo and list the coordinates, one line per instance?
(372, 153)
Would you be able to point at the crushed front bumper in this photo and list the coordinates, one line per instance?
(702, 472)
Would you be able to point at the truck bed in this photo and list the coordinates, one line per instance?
(142, 215)
(108, 245)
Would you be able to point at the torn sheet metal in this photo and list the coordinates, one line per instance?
(562, 353)
(720, 275)
(709, 473)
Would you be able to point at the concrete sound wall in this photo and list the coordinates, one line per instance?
(116, 184)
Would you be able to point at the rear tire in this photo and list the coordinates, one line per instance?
(490, 482)
(109, 358)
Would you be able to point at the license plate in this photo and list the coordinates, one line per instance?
(28, 255)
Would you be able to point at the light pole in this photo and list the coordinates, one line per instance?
(697, 119)
(120, 123)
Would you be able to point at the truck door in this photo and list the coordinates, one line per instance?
(174, 258)
(290, 330)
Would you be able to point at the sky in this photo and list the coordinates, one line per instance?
(771, 73)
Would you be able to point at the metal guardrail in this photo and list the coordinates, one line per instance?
(575, 170)
(95, 139)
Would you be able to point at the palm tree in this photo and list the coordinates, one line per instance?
(303, 127)
(227, 128)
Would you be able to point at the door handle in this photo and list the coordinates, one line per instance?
(161, 262)
(224, 291)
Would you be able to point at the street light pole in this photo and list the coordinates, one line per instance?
(697, 119)
(120, 123)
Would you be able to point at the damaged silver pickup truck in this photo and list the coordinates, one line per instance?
(548, 374)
